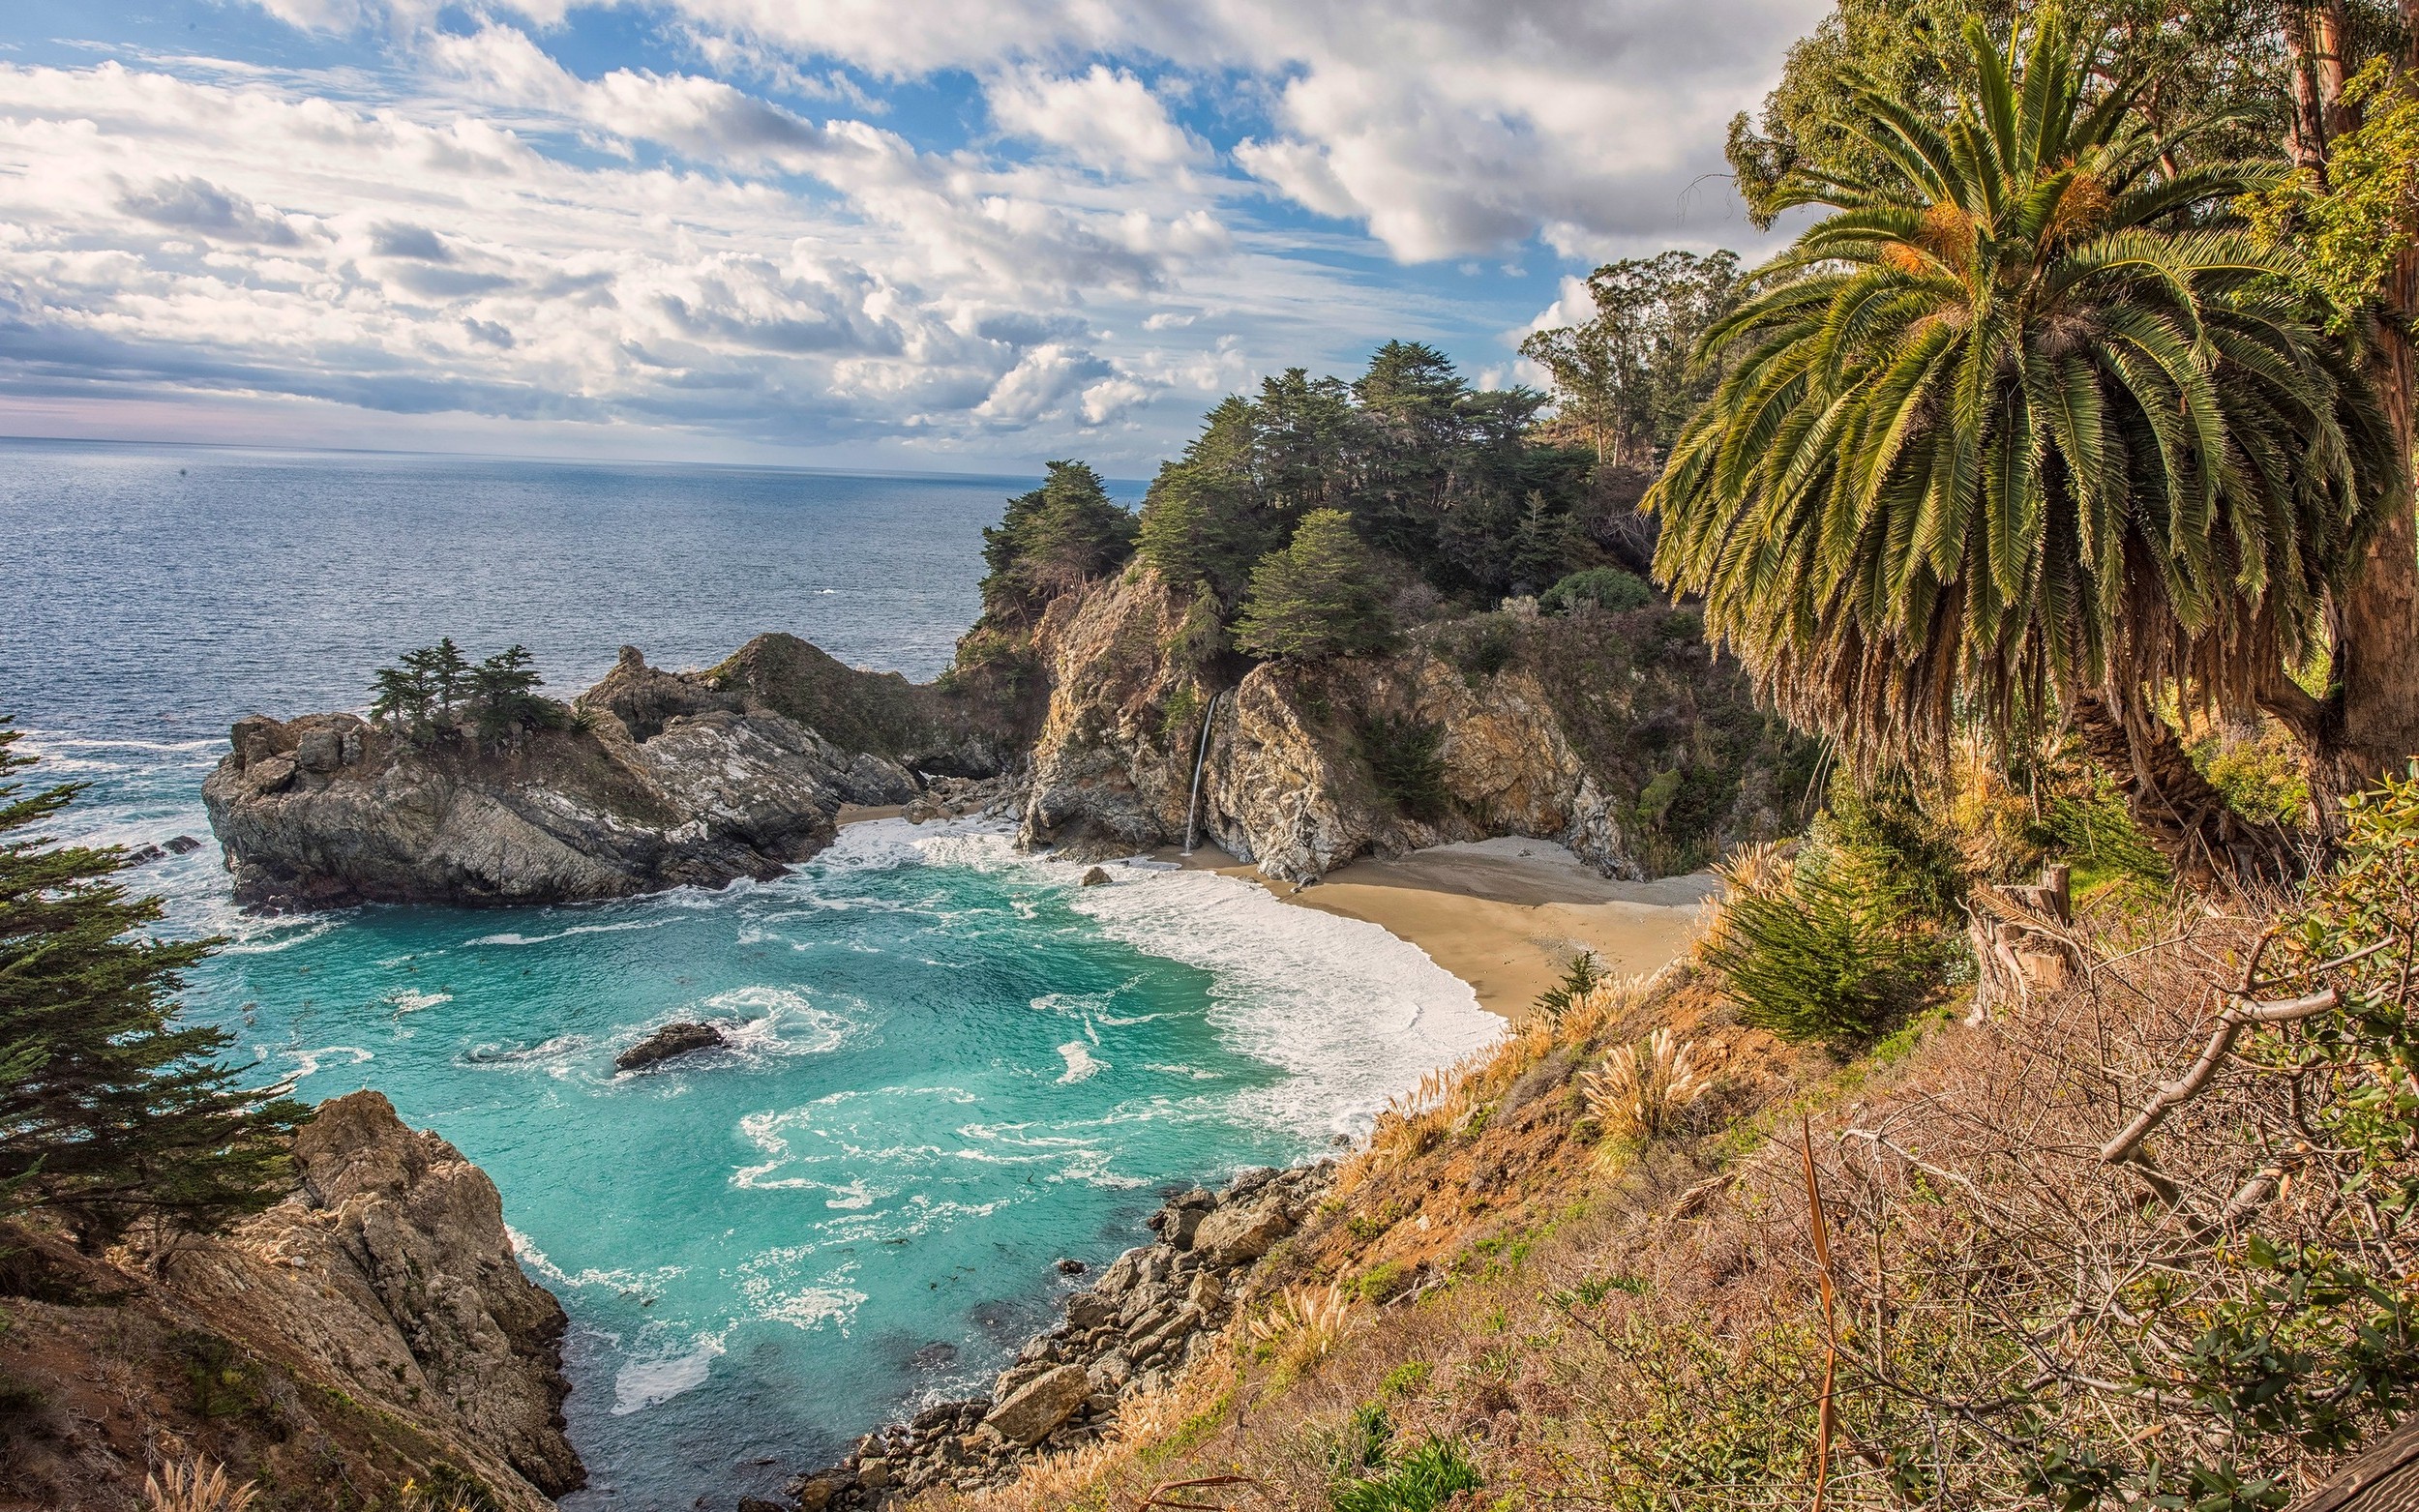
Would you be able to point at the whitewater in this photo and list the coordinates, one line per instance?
(950, 1067)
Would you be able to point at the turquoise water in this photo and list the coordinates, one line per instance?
(953, 1066)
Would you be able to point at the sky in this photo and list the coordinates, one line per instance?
(948, 234)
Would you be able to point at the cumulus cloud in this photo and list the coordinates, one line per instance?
(1104, 118)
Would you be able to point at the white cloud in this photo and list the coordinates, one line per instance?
(1104, 118)
(1447, 128)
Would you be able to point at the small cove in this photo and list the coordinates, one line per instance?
(953, 1066)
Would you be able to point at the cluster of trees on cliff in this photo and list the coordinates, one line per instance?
(431, 688)
(1298, 516)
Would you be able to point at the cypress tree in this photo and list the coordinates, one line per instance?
(1316, 599)
(111, 1112)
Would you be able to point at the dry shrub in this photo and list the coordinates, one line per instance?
(197, 1485)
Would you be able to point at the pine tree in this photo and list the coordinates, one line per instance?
(111, 1111)
(501, 693)
(403, 696)
(450, 671)
(1317, 597)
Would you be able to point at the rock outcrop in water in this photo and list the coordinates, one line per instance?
(1151, 1314)
(374, 1328)
(1585, 733)
(655, 780)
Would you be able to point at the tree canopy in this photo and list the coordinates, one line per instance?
(1062, 534)
(1321, 597)
(1445, 477)
(1627, 380)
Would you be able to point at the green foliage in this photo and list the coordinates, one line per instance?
(1885, 824)
(1584, 975)
(1626, 378)
(2351, 228)
(504, 695)
(1606, 588)
(1404, 761)
(2222, 63)
(1444, 477)
(1383, 1283)
(1317, 598)
(220, 1380)
(1421, 1480)
(1836, 945)
(1063, 534)
(1407, 1380)
(1958, 506)
(423, 692)
(111, 1111)
(2092, 829)
(2261, 778)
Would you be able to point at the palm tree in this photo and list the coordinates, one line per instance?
(2024, 428)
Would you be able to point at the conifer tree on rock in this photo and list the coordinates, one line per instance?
(111, 1112)
(1060, 536)
(1319, 598)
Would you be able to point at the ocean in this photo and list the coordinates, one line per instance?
(957, 1067)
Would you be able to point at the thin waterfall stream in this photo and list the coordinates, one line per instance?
(1201, 756)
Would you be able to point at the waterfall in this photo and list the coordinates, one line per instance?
(1200, 756)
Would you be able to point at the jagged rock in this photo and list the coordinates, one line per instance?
(759, 1504)
(563, 815)
(392, 1266)
(183, 845)
(1071, 1268)
(1236, 1233)
(1285, 783)
(1040, 1405)
(672, 1039)
(1096, 877)
(1149, 1315)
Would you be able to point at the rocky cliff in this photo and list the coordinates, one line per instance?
(655, 780)
(371, 1331)
(1589, 731)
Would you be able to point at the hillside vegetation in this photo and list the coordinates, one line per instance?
(1586, 1269)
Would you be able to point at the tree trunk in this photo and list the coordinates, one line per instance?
(2211, 847)
(2377, 638)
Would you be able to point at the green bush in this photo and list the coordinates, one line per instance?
(1426, 1478)
(1580, 978)
(1835, 947)
(1605, 588)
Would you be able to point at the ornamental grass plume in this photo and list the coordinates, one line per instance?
(197, 1485)
(1641, 1088)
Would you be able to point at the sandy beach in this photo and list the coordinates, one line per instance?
(1507, 915)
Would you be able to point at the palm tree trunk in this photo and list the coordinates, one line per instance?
(2211, 847)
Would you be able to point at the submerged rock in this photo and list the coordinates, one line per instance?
(672, 1039)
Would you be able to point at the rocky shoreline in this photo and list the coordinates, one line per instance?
(1153, 1311)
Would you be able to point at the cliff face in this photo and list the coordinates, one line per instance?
(669, 781)
(371, 1329)
(1474, 727)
